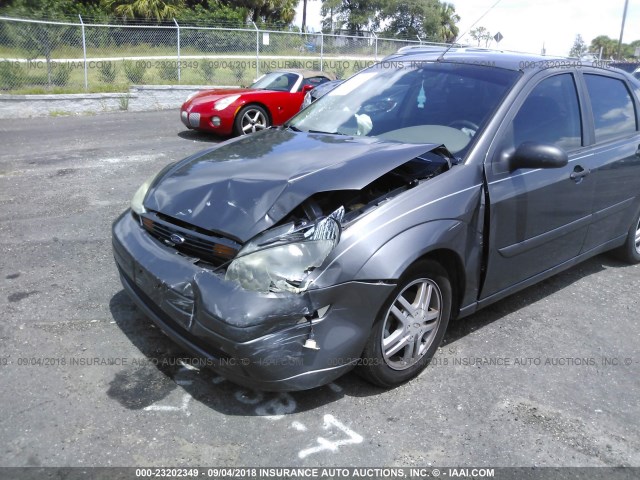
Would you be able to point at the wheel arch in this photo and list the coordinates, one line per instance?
(442, 241)
(252, 103)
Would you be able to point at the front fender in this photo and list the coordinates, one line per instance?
(395, 256)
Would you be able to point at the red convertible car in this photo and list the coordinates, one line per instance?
(272, 100)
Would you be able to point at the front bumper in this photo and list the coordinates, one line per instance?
(202, 121)
(254, 339)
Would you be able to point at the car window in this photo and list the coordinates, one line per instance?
(613, 111)
(550, 114)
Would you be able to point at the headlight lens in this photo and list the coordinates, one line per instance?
(225, 102)
(281, 259)
(138, 197)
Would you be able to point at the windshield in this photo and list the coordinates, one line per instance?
(280, 81)
(412, 102)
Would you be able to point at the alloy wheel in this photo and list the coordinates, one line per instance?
(411, 324)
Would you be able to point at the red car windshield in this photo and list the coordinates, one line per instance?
(280, 81)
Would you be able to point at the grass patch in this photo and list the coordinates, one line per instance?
(60, 113)
(68, 90)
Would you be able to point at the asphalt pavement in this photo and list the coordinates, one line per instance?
(547, 377)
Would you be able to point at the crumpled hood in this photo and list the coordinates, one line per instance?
(246, 185)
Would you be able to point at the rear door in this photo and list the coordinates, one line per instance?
(538, 217)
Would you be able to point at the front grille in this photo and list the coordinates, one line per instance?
(214, 250)
(194, 120)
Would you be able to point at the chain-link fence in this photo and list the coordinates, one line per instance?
(41, 57)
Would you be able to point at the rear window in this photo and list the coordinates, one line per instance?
(613, 111)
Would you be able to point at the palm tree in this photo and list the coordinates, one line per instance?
(608, 46)
(448, 19)
(147, 9)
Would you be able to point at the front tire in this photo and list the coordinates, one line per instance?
(630, 251)
(409, 327)
(251, 119)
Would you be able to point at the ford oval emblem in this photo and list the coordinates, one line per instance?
(176, 239)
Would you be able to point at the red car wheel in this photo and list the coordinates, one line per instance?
(250, 119)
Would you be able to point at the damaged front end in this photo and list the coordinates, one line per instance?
(251, 306)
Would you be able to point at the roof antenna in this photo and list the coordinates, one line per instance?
(456, 40)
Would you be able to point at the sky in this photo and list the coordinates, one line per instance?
(527, 25)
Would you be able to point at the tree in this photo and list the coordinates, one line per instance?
(41, 39)
(579, 48)
(609, 47)
(481, 34)
(304, 14)
(356, 15)
(266, 11)
(148, 9)
(411, 18)
(448, 18)
(430, 19)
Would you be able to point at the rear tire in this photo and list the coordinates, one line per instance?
(409, 327)
(630, 251)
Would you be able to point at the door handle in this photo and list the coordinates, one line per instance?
(579, 173)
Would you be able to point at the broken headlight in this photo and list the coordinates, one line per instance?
(138, 197)
(281, 259)
(137, 202)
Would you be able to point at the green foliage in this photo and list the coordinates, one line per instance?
(430, 19)
(206, 71)
(609, 47)
(266, 11)
(339, 71)
(579, 48)
(124, 102)
(481, 35)
(238, 72)
(60, 74)
(135, 71)
(168, 71)
(226, 15)
(107, 72)
(148, 9)
(11, 75)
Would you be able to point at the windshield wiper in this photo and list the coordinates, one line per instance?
(328, 133)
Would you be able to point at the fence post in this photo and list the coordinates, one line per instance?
(257, 50)
(375, 37)
(178, 30)
(84, 54)
(321, 51)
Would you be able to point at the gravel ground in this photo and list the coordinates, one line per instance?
(547, 377)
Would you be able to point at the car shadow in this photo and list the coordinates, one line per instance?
(462, 327)
(197, 136)
(164, 377)
(163, 370)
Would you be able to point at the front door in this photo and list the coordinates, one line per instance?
(538, 217)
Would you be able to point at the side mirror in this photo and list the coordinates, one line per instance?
(307, 88)
(537, 155)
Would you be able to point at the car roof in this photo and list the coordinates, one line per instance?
(484, 56)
